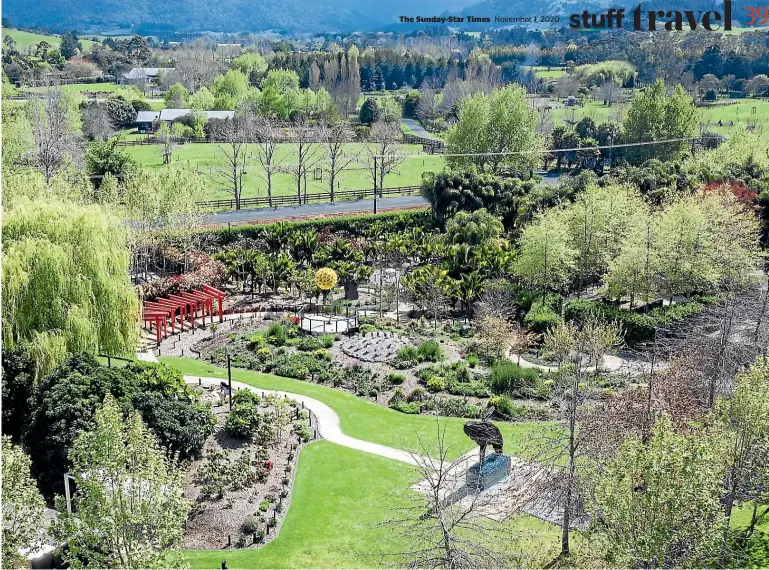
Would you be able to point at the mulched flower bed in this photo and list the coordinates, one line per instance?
(256, 491)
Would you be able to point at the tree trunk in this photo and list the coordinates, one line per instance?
(572, 468)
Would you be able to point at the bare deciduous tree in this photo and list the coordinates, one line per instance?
(308, 153)
(338, 155)
(383, 153)
(609, 92)
(56, 143)
(97, 123)
(447, 525)
(232, 137)
(495, 332)
(195, 67)
(267, 138)
(427, 109)
(166, 138)
(576, 348)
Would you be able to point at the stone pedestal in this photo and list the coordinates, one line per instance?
(496, 467)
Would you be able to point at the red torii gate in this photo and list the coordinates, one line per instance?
(205, 300)
(169, 309)
(159, 319)
(164, 309)
(188, 307)
(213, 291)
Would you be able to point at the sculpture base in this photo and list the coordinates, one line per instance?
(496, 467)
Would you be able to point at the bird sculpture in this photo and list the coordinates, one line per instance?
(484, 433)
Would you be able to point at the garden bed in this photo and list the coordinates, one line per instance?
(432, 373)
(240, 489)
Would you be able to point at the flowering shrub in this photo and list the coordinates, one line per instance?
(206, 272)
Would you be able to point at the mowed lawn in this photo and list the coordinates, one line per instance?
(29, 39)
(209, 159)
(341, 503)
(366, 420)
(596, 110)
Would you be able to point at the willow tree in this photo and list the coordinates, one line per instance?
(65, 281)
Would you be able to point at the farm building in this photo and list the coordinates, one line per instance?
(142, 75)
(145, 120)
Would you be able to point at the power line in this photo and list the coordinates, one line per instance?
(548, 151)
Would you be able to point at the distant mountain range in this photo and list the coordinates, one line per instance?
(150, 17)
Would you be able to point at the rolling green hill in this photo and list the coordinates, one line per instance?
(25, 40)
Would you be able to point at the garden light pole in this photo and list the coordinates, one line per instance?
(229, 379)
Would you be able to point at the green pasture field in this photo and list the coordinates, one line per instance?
(741, 113)
(546, 72)
(208, 158)
(596, 110)
(29, 39)
(83, 88)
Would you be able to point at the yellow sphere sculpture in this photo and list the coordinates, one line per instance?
(325, 278)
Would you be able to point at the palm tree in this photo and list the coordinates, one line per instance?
(302, 244)
(276, 237)
(280, 270)
(470, 287)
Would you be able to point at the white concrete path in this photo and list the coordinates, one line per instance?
(328, 421)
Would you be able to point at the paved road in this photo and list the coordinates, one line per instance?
(327, 208)
(417, 129)
(320, 209)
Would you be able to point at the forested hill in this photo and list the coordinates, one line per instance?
(148, 17)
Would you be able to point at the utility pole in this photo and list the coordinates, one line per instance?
(375, 185)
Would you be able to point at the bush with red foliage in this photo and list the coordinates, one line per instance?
(743, 194)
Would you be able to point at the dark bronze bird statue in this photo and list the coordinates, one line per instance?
(484, 433)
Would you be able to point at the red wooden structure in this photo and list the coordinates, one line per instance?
(159, 321)
(185, 305)
(219, 297)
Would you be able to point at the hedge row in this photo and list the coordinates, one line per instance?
(391, 222)
(636, 327)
